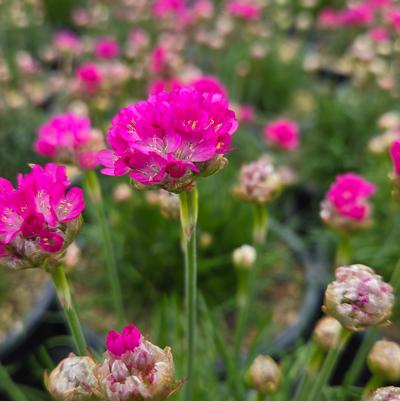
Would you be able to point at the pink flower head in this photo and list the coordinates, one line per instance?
(164, 85)
(90, 77)
(68, 42)
(118, 344)
(245, 9)
(163, 8)
(70, 139)
(393, 18)
(246, 113)
(209, 84)
(107, 48)
(358, 14)
(39, 218)
(167, 140)
(395, 156)
(379, 34)
(328, 18)
(139, 38)
(283, 133)
(158, 60)
(349, 194)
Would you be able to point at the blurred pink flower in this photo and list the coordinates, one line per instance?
(164, 85)
(68, 42)
(393, 18)
(379, 34)
(139, 37)
(395, 156)
(283, 133)
(209, 84)
(168, 139)
(90, 77)
(162, 8)
(107, 48)
(69, 139)
(246, 113)
(158, 60)
(245, 9)
(349, 194)
(39, 217)
(328, 18)
(357, 14)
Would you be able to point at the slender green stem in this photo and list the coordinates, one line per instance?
(260, 223)
(343, 253)
(61, 285)
(188, 214)
(373, 383)
(93, 189)
(328, 366)
(8, 385)
(260, 396)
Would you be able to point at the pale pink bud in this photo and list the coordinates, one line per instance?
(385, 394)
(359, 298)
(327, 333)
(264, 374)
(244, 257)
(384, 360)
(73, 379)
(122, 193)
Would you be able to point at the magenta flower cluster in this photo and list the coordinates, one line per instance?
(349, 195)
(283, 133)
(38, 217)
(170, 139)
(70, 139)
(126, 341)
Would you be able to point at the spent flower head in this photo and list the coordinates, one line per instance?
(390, 393)
(39, 218)
(170, 139)
(359, 298)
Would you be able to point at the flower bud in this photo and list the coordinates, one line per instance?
(385, 394)
(327, 333)
(358, 298)
(264, 374)
(73, 379)
(122, 193)
(384, 360)
(135, 369)
(167, 201)
(244, 257)
(259, 182)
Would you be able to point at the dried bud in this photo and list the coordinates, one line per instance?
(135, 369)
(359, 298)
(327, 333)
(385, 394)
(259, 182)
(73, 379)
(264, 374)
(122, 193)
(384, 360)
(244, 257)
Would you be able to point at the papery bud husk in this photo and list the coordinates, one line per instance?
(264, 375)
(327, 333)
(390, 393)
(384, 360)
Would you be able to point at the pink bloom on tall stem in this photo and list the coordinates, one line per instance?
(169, 139)
(283, 133)
(39, 218)
(70, 139)
(349, 194)
(68, 42)
(245, 9)
(107, 48)
(90, 77)
(395, 156)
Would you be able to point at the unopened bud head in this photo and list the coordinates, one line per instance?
(327, 333)
(264, 374)
(384, 360)
(244, 257)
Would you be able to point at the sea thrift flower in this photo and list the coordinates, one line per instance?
(69, 138)
(283, 133)
(244, 257)
(89, 77)
(164, 85)
(245, 9)
(355, 15)
(170, 139)
(385, 394)
(163, 8)
(68, 42)
(395, 156)
(382, 143)
(384, 360)
(259, 181)
(264, 375)
(107, 48)
(346, 205)
(158, 60)
(73, 379)
(327, 333)
(393, 18)
(246, 113)
(39, 218)
(209, 84)
(328, 18)
(379, 34)
(135, 369)
(359, 298)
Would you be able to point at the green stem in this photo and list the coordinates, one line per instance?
(93, 189)
(328, 366)
(61, 285)
(8, 385)
(188, 214)
(260, 396)
(343, 254)
(373, 383)
(260, 223)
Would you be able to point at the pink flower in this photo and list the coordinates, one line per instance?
(118, 344)
(379, 34)
(70, 139)
(209, 84)
(395, 156)
(90, 77)
(246, 113)
(139, 37)
(283, 133)
(107, 48)
(328, 18)
(358, 14)
(245, 9)
(169, 139)
(39, 218)
(158, 60)
(349, 194)
(164, 85)
(393, 18)
(68, 42)
(162, 8)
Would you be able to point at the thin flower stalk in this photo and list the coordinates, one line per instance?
(188, 215)
(93, 190)
(10, 388)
